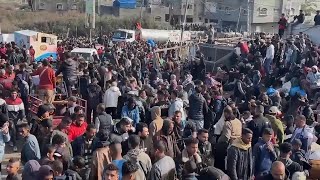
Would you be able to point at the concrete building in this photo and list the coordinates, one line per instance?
(58, 5)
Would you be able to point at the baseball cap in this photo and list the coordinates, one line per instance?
(273, 110)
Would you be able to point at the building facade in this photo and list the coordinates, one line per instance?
(58, 5)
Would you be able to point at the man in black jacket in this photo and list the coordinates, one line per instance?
(258, 124)
(317, 18)
(239, 158)
(205, 148)
(198, 108)
(69, 71)
(103, 121)
(285, 153)
(300, 18)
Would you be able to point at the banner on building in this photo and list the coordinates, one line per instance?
(90, 14)
(211, 7)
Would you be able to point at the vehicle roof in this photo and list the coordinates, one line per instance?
(83, 50)
(27, 32)
(126, 30)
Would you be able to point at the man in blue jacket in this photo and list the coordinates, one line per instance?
(264, 153)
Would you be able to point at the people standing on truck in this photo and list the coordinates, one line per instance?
(47, 82)
(282, 25)
(69, 72)
(32, 53)
(299, 19)
(317, 18)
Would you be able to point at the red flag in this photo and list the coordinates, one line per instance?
(138, 25)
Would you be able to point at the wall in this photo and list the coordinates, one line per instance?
(273, 7)
(51, 5)
(265, 27)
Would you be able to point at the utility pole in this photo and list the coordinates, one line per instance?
(184, 20)
(248, 18)
(238, 22)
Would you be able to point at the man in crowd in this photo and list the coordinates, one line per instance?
(264, 153)
(197, 108)
(111, 172)
(285, 153)
(135, 154)
(12, 169)
(47, 82)
(30, 150)
(164, 167)
(85, 144)
(239, 158)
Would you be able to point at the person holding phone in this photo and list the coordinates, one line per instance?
(4, 135)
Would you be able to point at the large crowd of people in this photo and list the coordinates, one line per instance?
(154, 119)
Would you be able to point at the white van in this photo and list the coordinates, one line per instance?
(85, 53)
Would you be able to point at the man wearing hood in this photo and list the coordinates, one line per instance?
(69, 72)
(168, 137)
(136, 155)
(94, 98)
(30, 169)
(197, 108)
(239, 158)
(110, 99)
(157, 122)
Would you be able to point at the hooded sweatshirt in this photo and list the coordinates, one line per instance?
(143, 161)
(111, 97)
(157, 122)
(30, 170)
(239, 160)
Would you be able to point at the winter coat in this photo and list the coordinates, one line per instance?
(205, 151)
(111, 96)
(257, 125)
(262, 158)
(197, 107)
(133, 114)
(100, 159)
(76, 131)
(157, 122)
(94, 95)
(103, 122)
(239, 161)
(78, 145)
(116, 135)
(231, 130)
(68, 70)
(163, 169)
(142, 160)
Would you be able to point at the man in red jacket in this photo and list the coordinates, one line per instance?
(77, 128)
(47, 82)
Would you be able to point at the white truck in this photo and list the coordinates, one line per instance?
(125, 35)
